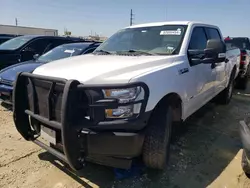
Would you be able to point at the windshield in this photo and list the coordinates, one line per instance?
(62, 51)
(238, 43)
(158, 40)
(15, 43)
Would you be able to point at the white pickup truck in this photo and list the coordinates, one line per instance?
(123, 101)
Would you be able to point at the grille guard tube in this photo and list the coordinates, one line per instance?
(70, 137)
(21, 119)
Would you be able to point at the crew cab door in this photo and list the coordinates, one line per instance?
(220, 68)
(203, 76)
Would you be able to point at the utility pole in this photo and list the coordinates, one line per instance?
(16, 21)
(131, 17)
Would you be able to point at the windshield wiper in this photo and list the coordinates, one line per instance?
(102, 51)
(136, 52)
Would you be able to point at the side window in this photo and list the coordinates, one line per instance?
(38, 46)
(212, 33)
(54, 43)
(89, 51)
(198, 39)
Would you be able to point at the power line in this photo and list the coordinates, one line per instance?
(131, 17)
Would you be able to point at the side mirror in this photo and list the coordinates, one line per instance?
(196, 56)
(215, 51)
(36, 56)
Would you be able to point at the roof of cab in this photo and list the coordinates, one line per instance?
(54, 37)
(167, 23)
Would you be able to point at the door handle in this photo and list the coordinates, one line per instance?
(226, 60)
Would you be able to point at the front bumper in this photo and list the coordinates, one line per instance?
(60, 105)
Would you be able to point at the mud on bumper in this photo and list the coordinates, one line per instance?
(76, 113)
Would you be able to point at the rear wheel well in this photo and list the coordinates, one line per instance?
(232, 75)
(233, 72)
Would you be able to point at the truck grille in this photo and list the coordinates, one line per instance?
(46, 100)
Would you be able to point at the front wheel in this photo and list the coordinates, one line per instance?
(158, 136)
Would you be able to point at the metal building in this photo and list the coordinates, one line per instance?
(19, 30)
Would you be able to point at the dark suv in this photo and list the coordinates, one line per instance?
(23, 48)
(8, 74)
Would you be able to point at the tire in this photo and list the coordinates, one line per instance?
(245, 165)
(156, 145)
(226, 95)
(242, 83)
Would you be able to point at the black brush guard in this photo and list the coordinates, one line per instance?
(27, 102)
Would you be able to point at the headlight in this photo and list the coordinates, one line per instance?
(124, 96)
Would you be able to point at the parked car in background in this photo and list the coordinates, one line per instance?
(243, 44)
(23, 48)
(8, 75)
(5, 37)
(125, 99)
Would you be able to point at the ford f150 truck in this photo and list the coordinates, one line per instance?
(243, 44)
(123, 101)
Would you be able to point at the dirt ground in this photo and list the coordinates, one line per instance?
(206, 154)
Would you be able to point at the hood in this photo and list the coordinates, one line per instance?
(102, 69)
(9, 73)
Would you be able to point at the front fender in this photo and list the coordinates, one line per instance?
(162, 82)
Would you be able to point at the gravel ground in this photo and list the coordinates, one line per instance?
(206, 154)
